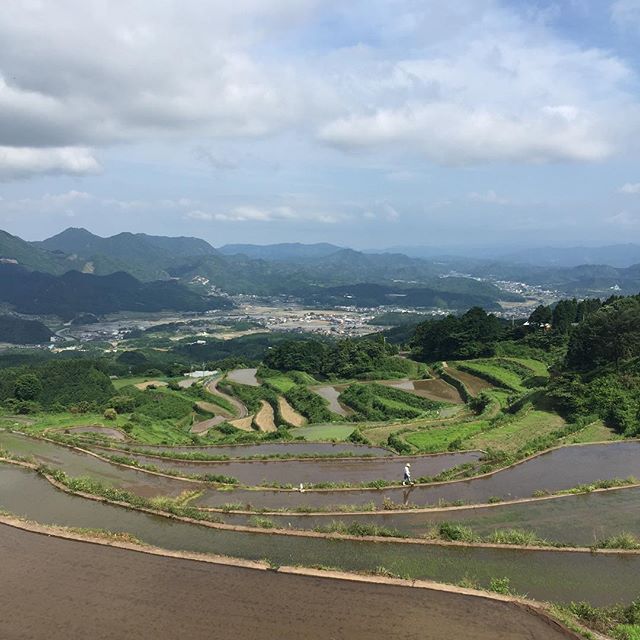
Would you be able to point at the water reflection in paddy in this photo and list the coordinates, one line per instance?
(555, 576)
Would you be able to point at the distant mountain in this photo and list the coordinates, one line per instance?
(72, 293)
(145, 257)
(617, 255)
(16, 330)
(280, 252)
(18, 251)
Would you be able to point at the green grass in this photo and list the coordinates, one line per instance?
(324, 432)
(492, 372)
(436, 439)
(281, 383)
(537, 367)
(512, 435)
(124, 382)
(594, 432)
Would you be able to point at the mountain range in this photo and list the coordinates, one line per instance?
(177, 269)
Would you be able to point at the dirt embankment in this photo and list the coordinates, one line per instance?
(265, 418)
(290, 414)
(56, 589)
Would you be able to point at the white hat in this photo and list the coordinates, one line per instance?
(408, 464)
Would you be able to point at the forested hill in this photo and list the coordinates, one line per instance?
(592, 347)
(143, 256)
(41, 293)
(16, 330)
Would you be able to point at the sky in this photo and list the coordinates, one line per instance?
(368, 123)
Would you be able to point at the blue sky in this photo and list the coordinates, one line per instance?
(368, 123)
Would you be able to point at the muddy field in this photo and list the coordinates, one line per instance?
(60, 589)
(474, 384)
(434, 389)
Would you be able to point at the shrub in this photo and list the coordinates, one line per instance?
(500, 585)
(357, 437)
(110, 414)
(455, 532)
(397, 444)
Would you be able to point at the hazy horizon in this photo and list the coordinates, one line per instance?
(487, 123)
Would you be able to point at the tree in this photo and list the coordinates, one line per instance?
(28, 387)
(541, 315)
(608, 336)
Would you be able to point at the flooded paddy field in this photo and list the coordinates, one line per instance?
(127, 594)
(244, 376)
(578, 520)
(556, 470)
(331, 394)
(75, 463)
(546, 575)
(559, 469)
(255, 472)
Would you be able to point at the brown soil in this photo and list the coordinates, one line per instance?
(474, 384)
(210, 407)
(289, 413)
(433, 389)
(57, 589)
(205, 425)
(150, 383)
(264, 418)
(242, 423)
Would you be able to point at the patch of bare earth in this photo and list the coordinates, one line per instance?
(242, 423)
(264, 418)
(289, 414)
(150, 383)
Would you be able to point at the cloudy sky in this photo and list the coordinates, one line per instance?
(368, 123)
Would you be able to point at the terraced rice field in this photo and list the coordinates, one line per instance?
(289, 414)
(246, 523)
(474, 384)
(331, 394)
(264, 419)
(244, 376)
(434, 389)
(134, 601)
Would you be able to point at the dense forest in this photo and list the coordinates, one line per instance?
(347, 358)
(16, 330)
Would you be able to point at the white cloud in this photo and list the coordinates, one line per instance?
(625, 219)
(250, 213)
(469, 82)
(21, 162)
(630, 188)
(497, 89)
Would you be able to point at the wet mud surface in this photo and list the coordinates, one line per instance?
(58, 589)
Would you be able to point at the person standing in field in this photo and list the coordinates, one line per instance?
(407, 474)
